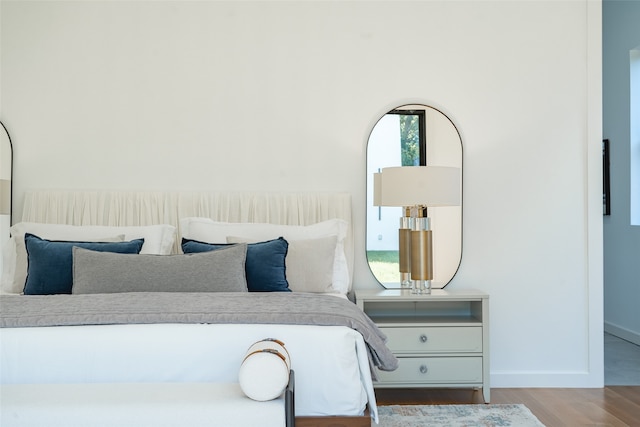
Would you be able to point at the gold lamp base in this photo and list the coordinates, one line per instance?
(404, 238)
(421, 256)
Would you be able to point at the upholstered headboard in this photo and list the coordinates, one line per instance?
(117, 208)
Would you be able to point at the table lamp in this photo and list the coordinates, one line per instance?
(416, 188)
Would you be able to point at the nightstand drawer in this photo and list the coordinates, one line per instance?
(440, 370)
(434, 339)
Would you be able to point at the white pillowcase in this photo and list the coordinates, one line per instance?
(158, 240)
(309, 263)
(265, 369)
(209, 231)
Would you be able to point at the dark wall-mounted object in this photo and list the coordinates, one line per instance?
(606, 180)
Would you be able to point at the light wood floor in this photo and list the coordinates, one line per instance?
(615, 406)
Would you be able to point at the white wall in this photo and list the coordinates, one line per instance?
(273, 95)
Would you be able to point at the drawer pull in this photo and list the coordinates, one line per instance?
(423, 338)
(423, 369)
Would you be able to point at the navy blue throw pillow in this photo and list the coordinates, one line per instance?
(50, 262)
(265, 264)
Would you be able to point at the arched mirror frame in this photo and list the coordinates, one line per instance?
(447, 256)
(6, 171)
(6, 184)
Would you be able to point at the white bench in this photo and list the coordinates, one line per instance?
(140, 405)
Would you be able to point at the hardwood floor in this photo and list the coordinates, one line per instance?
(615, 406)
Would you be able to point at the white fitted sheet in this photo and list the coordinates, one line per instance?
(330, 362)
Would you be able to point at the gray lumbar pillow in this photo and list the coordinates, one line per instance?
(105, 272)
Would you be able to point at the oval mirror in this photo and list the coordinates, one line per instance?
(412, 135)
(6, 173)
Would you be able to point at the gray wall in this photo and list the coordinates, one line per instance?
(621, 33)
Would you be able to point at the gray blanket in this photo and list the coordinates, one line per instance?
(288, 308)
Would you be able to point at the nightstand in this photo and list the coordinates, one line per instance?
(441, 340)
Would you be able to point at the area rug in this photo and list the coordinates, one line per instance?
(457, 416)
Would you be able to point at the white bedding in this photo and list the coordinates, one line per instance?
(331, 378)
(331, 364)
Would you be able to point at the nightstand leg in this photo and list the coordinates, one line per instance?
(486, 394)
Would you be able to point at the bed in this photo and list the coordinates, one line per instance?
(115, 325)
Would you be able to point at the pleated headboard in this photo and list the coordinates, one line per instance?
(126, 208)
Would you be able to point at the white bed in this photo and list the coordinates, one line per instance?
(332, 369)
(332, 363)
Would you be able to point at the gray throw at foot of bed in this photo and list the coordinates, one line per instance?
(177, 307)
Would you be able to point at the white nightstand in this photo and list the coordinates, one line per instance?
(441, 339)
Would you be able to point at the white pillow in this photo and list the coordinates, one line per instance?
(264, 372)
(158, 240)
(209, 231)
(309, 263)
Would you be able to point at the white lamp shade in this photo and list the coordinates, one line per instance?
(429, 186)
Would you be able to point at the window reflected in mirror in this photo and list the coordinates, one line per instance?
(412, 135)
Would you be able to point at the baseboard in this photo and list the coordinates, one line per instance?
(624, 333)
(546, 379)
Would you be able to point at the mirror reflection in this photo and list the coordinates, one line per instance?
(412, 135)
(6, 158)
